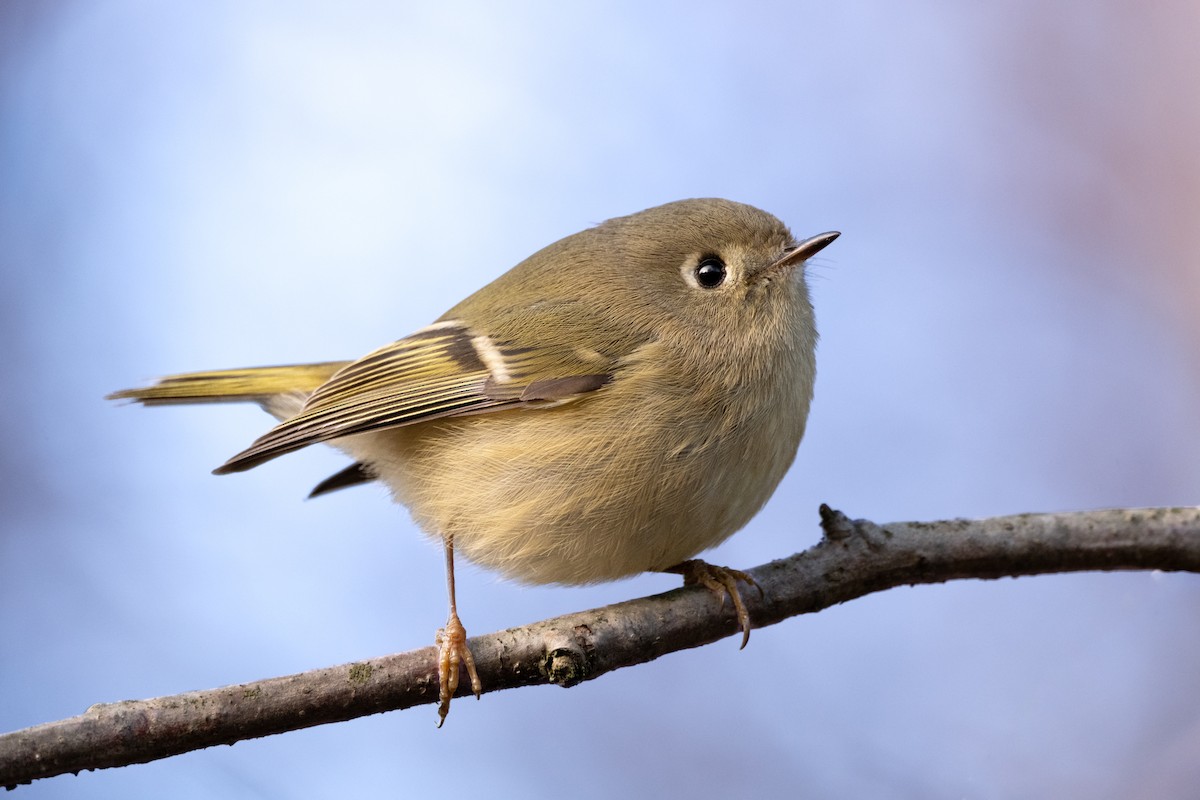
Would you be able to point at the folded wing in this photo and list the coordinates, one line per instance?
(444, 370)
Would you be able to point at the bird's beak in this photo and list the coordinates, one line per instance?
(805, 250)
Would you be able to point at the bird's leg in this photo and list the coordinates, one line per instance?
(452, 647)
(721, 581)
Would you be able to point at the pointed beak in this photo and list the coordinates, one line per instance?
(805, 250)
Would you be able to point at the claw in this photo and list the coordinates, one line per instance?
(721, 581)
(452, 652)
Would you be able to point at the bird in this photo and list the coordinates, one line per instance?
(617, 403)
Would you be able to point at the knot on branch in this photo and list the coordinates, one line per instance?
(568, 660)
(837, 527)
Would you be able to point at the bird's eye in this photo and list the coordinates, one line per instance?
(710, 272)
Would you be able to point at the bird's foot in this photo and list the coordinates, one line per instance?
(721, 581)
(453, 651)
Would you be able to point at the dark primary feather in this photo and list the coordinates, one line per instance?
(353, 475)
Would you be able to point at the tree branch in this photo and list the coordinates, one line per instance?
(855, 558)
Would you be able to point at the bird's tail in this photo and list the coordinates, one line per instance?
(254, 384)
(281, 391)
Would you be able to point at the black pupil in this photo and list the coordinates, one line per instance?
(710, 273)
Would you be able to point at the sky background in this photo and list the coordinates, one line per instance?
(1009, 324)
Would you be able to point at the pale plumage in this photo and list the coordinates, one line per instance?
(619, 402)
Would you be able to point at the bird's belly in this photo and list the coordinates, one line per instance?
(552, 497)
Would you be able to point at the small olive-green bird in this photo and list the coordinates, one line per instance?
(616, 403)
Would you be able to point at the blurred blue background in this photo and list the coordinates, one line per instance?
(1009, 324)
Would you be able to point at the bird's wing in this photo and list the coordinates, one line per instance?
(445, 370)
